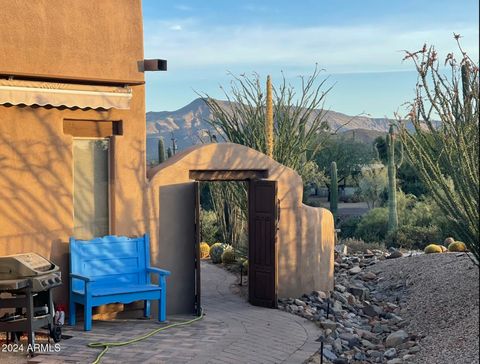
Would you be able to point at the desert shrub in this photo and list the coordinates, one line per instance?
(204, 250)
(433, 248)
(373, 225)
(359, 246)
(209, 226)
(413, 237)
(348, 226)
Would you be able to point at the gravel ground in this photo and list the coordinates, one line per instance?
(442, 305)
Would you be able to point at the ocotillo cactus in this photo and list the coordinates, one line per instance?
(161, 151)
(269, 119)
(169, 152)
(333, 189)
(392, 179)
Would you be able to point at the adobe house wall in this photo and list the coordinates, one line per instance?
(305, 237)
(68, 39)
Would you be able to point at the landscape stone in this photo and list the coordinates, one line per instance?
(300, 302)
(390, 353)
(329, 354)
(395, 361)
(395, 254)
(396, 338)
(356, 269)
(367, 276)
(328, 324)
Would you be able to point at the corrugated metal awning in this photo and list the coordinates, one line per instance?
(17, 92)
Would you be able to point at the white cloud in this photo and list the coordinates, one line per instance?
(367, 48)
(183, 7)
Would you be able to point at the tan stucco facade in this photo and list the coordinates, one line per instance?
(98, 43)
(64, 40)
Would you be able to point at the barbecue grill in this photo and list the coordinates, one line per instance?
(29, 279)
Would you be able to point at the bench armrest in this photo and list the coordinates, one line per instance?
(83, 278)
(161, 272)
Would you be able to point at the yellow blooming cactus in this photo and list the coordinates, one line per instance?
(204, 250)
(432, 248)
(457, 246)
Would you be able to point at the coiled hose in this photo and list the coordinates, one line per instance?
(107, 345)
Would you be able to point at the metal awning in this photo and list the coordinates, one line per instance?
(17, 92)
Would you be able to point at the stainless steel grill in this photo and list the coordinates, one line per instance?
(26, 281)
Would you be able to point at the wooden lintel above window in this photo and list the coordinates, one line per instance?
(92, 128)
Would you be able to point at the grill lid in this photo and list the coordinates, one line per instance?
(24, 265)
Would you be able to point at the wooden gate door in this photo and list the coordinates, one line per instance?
(198, 306)
(262, 236)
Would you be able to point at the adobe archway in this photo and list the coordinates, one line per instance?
(305, 236)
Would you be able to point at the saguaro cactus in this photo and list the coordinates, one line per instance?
(161, 151)
(333, 189)
(392, 179)
(269, 119)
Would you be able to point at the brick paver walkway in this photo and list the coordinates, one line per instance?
(231, 332)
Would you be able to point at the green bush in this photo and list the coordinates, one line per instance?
(413, 237)
(209, 227)
(349, 226)
(373, 225)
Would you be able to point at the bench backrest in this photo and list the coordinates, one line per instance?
(110, 260)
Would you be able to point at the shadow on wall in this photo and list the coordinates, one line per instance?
(36, 183)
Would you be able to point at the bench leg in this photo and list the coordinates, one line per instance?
(162, 306)
(72, 318)
(146, 308)
(87, 324)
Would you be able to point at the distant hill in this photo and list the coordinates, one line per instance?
(189, 126)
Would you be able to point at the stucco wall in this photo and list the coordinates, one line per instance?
(305, 236)
(72, 39)
(88, 40)
(36, 179)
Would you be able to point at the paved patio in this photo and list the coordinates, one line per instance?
(231, 332)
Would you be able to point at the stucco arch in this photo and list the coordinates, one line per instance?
(305, 237)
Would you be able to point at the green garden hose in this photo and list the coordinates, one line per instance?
(106, 345)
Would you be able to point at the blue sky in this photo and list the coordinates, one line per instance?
(358, 43)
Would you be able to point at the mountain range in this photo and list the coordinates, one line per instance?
(188, 126)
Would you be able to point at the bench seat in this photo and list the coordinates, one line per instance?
(106, 291)
(114, 269)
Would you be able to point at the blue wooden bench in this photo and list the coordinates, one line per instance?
(113, 269)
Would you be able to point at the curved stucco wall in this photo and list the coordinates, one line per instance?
(305, 236)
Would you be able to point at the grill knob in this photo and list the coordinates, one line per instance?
(57, 280)
(44, 283)
(50, 281)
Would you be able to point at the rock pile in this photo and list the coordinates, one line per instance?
(359, 322)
